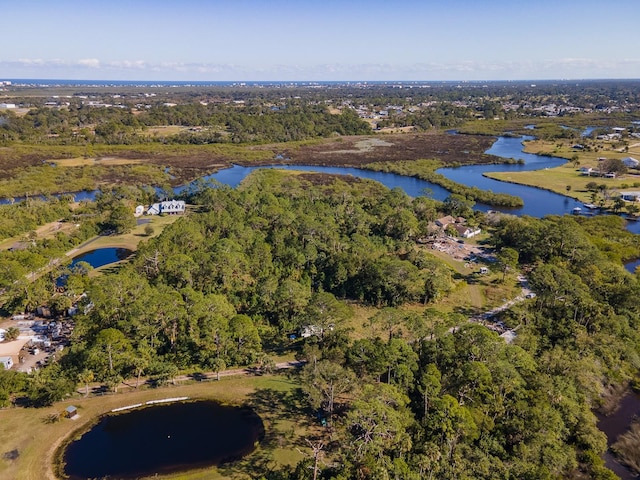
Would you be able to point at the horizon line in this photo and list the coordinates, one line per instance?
(236, 81)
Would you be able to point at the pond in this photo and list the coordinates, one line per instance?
(163, 439)
(617, 424)
(102, 256)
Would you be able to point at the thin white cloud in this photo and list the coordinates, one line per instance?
(89, 62)
(125, 69)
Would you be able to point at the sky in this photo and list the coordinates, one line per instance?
(321, 40)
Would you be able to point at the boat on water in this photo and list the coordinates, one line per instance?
(577, 211)
(591, 206)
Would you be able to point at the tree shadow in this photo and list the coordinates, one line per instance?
(278, 403)
(286, 418)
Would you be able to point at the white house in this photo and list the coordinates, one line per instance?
(6, 362)
(631, 162)
(168, 207)
(466, 232)
(7, 105)
(154, 209)
(172, 206)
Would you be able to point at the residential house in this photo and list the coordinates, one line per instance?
(465, 231)
(631, 162)
(169, 207)
(444, 222)
(154, 209)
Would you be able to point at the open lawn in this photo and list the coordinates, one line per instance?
(164, 130)
(30, 437)
(129, 240)
(587, 157)
(557, 179)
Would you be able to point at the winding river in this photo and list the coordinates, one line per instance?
(537, 202)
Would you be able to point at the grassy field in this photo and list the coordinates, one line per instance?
(129, 240)
(34, 438)
(589, 158)
(559, 178)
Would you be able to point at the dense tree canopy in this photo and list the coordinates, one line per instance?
(425, 394)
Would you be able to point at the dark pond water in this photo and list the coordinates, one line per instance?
(615, 425)
(102, 256)
(163, 439)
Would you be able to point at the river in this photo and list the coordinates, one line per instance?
(537, 202)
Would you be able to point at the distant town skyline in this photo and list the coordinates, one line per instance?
(323, 40)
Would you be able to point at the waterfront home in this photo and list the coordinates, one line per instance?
(630, 196)
(169, 207)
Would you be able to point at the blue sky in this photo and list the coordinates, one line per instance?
(319, 39)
